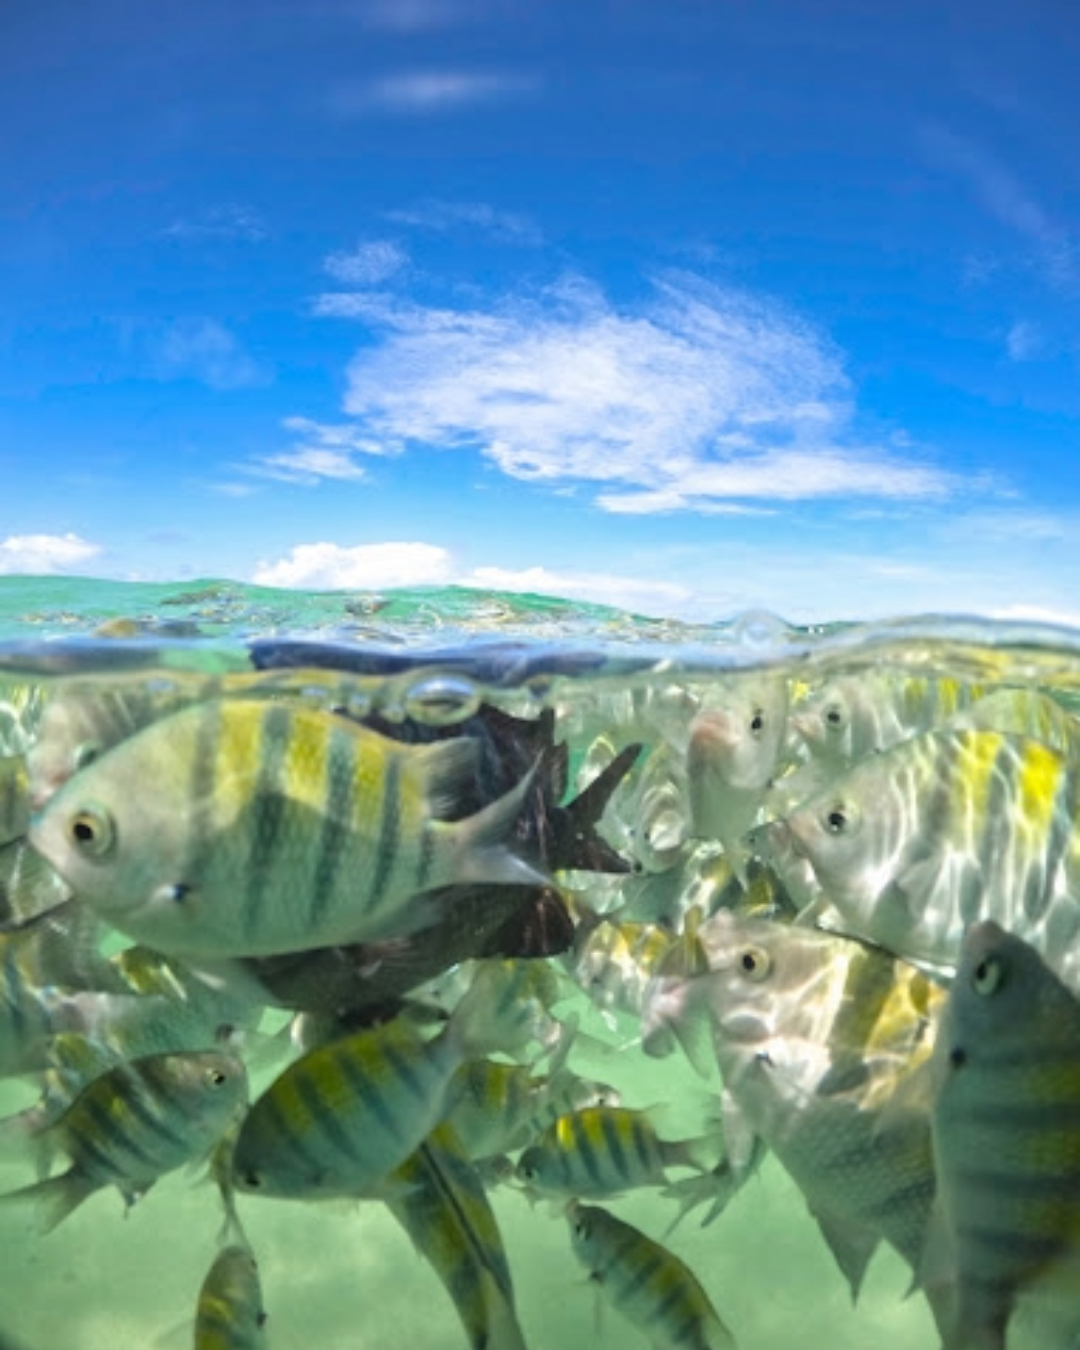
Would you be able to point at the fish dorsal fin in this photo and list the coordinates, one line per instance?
(851, 1244)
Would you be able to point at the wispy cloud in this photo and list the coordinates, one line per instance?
(506, 227)
(428, 91)
(700, 397)
(1009, 201)
(308, 465)
(321, 451)
(368, 264)
(230, 222)
(1025, 341)
(45, 554)
(204, 350)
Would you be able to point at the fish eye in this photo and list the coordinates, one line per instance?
(987, 977)
(840, 818)
(834, 715)
(92, 832)
(755, 963)
(252, 1180)
(581, 1229)
(757, 722)
(216, 1077)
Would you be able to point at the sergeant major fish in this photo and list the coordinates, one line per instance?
(230, 1313)
(344, 1115)
(649, 1285)
(261, 828)
(132, 1124)
(1006, 1132)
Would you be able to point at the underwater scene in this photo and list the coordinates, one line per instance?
(447, 968)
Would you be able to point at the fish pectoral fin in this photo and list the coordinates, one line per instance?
(852, 1246)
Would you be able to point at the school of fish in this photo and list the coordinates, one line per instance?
(850, 904)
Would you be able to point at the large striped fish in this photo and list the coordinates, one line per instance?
(1006, 1133)
(230, 1314)
(953, 826)
(338, 1120)
(813, 1034)
(251, 827)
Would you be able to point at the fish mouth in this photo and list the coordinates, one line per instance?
(775, 842)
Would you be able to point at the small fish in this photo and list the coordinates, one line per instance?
(499, 1107)
(230, 1313)
(815, 1035)
(134, 1123)
(1006, 1132)
(944, 829)
(604, 1151)
(344, 1115)
(274, 829)
(735, 751)
(648, 1284)
(437, 1197)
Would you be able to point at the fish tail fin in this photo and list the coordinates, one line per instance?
(478, 845)
(704, 1153)
(51, 1201)
(714, 1188)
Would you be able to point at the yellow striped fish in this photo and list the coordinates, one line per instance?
(1006, 1132)
(946, 828)
(261, 827)
(135, 1122)
(230, 1313)
(645, 1282)
(437, 1197)
(604, 1151)
(344, 1115)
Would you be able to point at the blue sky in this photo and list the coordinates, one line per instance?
(690, 306)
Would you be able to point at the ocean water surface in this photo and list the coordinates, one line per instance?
(342, 1274)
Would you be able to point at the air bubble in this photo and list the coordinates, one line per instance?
(440, 700)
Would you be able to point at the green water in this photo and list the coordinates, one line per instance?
(343, 1275)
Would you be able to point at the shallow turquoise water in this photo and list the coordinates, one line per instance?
(343, 1274)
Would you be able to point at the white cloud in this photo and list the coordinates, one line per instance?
(428, 91)
(230, 222)
(700, 398)
(204, 350)
(368, 264)
(45, 554)
(504, 226)
(326, 566)
(323, 450)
